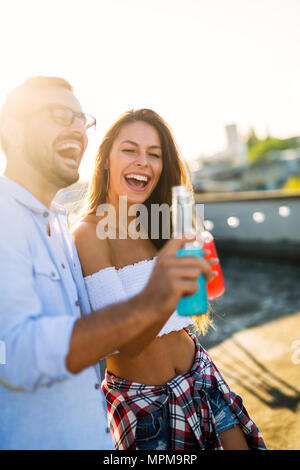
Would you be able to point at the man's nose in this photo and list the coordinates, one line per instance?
(77, 128)
(78, 125)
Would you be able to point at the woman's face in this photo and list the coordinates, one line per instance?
(135, 163)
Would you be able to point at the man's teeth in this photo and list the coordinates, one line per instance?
(138, 177)
(70, 145)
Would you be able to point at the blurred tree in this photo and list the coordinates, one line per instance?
(262, 148)
(251, 138)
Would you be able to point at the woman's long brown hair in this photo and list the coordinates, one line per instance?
(174, 170)
(174, 173)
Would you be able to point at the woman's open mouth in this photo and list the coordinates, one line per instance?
(137, 182)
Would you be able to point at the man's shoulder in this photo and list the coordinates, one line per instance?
(11, 209)
(15, 227)
(6, 198)
(16, 224)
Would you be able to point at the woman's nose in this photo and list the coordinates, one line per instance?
(142, 158)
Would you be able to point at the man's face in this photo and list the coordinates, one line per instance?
(51, 147)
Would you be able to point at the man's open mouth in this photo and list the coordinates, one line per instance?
(137, 182)
(70, 152)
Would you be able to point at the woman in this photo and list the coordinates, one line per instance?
(138, 159)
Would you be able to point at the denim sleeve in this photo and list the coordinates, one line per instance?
(36, 345)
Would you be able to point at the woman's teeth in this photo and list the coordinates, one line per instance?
(137, 181)
(138, 177)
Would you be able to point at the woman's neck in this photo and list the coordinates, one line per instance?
(124, 223)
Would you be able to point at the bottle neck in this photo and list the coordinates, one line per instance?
(185, 217)
(182, 216)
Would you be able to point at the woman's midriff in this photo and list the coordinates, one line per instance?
(165, 358)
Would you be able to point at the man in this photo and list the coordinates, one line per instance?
(50, 395)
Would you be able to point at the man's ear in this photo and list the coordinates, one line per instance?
(13, 131)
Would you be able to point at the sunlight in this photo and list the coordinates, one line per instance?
(199, 64)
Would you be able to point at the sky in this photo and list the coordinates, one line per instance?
(200, 64)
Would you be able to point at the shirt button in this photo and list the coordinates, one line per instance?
(53, 274)
(45, 214)
(63, 266)
(77, 303)
(97, 386)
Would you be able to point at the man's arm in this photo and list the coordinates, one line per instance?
(131, 325)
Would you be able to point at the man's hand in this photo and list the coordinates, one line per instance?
(174, 277)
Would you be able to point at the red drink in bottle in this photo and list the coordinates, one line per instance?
(215, 287)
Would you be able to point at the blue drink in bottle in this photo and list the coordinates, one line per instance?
(197, 303)
(182, 212)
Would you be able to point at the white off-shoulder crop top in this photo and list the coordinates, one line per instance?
(110, 285)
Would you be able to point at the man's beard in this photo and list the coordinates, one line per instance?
(45, 162)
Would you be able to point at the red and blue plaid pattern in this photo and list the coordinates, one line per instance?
(190, 413)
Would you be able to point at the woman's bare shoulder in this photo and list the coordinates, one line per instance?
(85, 227)
(93, 252)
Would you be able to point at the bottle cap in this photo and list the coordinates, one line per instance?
(180, 189)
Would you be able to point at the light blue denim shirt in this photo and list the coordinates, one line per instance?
(42, 294)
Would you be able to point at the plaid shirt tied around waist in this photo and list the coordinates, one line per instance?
(188, 403)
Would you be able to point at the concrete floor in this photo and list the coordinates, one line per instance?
(256, 344)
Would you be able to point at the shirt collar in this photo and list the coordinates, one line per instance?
(27, 199)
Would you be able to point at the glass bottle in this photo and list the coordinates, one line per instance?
(182, 221)
(216, 286)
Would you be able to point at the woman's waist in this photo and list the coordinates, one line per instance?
(165, 358)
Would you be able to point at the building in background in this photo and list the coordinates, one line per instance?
(233, 170)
